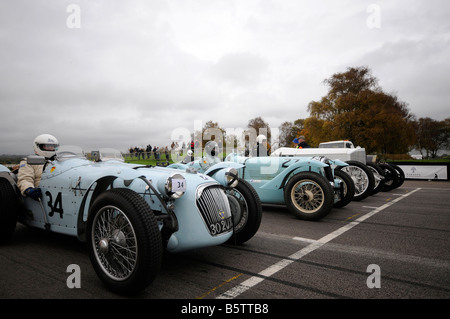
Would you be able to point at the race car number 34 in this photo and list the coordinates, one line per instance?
(178, 185)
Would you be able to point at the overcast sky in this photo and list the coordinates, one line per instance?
(117, 73)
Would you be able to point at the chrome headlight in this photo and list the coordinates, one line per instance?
(322, 159)
(175, 186)
(231, 176)
(326, 160)
(227, 177)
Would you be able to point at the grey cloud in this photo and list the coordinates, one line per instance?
(240, 68)
(136, 70)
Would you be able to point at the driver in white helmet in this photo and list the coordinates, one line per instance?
(29, 176)
(211, 155)
(261, 147)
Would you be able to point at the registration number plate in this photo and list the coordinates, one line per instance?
(221, 226)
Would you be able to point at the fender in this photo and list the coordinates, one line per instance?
(92, 192)
(221, 172)
(219, 166)
(302, 166)
(336, 163)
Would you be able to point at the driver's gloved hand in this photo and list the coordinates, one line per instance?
(34, 193)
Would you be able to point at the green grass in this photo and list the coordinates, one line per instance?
(151, 161)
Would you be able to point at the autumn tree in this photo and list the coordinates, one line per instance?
(357, 109)
(255, 127)
(229, 139)
(211, 131)
(432, 136)
(289, 131)
(260, 126)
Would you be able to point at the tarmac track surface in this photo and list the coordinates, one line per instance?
(393, 245)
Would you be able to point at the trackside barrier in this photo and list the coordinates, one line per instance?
(426, 170)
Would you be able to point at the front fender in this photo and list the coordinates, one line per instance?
(95, 188)
(336, 163)
(295, 167)
(221, 172)
(219, 166)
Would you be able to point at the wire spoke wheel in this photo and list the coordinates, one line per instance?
(124, 241)
(308, 196)
(115, 243)
(362, 177)
(359, 177)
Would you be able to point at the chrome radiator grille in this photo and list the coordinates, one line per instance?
(215, 209)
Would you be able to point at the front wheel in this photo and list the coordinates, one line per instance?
(347, 190)
(124, 241)
(378, 175)
(246, 210)
(391, 177)
(400, 175)
(309, 196)
(362, 177)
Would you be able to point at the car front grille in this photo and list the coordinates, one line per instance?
(213, 205)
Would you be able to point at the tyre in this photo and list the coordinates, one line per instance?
(9, 208)
(246, 211)
(124, 241)
(400, 175)
(348, 188)
(378, 174)
(362, 178)
(309, 196)
(390, 177)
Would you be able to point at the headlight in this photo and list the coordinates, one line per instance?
(175, 186)
(231, 176)
(322, 159)
(227, 176)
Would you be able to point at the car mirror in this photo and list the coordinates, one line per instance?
(36, 160)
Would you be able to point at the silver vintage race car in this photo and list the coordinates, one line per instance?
(369, 177)
(128, 214)
(363, 177)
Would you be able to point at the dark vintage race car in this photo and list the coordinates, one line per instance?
(128, 214)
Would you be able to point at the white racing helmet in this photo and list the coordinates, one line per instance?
(261, 139)
(212, 149)
(45, 145)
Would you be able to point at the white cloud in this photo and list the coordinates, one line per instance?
(136, 70)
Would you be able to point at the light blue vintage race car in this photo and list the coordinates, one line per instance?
(128, 214)
(309, 187)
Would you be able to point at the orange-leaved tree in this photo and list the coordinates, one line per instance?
(357, 109)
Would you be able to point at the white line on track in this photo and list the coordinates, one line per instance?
(266, 273)
(308, 240)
